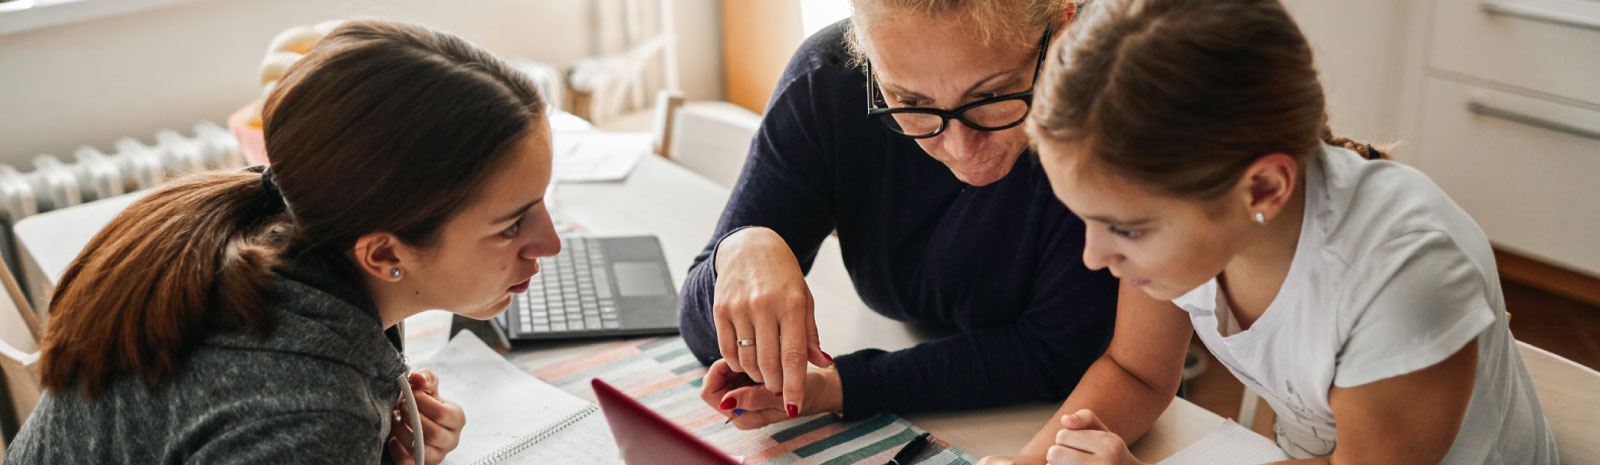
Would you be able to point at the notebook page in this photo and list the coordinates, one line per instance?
(503, 404)
(1230, 444)
(587, 442)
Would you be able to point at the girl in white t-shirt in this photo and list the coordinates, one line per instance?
(1350, 293)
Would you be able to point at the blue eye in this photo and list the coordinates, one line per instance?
(513, 231)
(1130, 234)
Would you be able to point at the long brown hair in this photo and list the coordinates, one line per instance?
(1183, 95)
(380, 127)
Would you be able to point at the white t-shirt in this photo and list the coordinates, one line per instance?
(1389, 277)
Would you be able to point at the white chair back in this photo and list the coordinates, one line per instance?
(1569, 394)
(19, 355)
(711, 138)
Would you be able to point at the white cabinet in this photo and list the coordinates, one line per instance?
(1546, 46)
(1501, 107)
(1528, 170)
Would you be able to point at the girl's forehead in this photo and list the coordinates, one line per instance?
(1096, 191)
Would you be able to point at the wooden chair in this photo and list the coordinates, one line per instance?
(1569, 394)
(708, 137)
(19, 357)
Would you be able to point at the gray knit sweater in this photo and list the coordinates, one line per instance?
(319, 389)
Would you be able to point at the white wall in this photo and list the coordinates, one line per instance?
(1361, 65)
(92, 82)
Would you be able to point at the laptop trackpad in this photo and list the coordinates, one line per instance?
(639, 279)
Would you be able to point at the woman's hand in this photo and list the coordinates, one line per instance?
(763, 313)
(752, 406)
(441, 422)
(1085, 441)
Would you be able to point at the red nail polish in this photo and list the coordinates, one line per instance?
(794, 410)
(779, 393)
(826, 356)
(729, 403)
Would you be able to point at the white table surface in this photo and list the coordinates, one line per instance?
(681, 208)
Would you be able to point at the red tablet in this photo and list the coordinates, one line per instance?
(644, 437)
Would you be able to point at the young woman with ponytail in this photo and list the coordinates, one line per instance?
(249, 316)
(1350, 293)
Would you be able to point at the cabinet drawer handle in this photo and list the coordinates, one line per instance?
(1559, 18)
(1482, 109)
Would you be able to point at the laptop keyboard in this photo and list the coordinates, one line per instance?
(572, 292)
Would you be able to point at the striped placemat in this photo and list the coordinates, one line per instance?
(662, 374)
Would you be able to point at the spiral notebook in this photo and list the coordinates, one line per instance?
(512, 417)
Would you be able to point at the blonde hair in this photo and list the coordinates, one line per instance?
(1008, 23)
(1183, 95)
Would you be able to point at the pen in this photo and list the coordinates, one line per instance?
(910, 451)
(739, 411)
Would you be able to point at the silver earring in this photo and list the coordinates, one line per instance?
(394, 272)
(1261, 218)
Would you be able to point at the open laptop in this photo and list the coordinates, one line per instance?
(644, 437)
(596, 286)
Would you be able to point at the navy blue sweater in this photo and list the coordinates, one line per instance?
(1000, 264)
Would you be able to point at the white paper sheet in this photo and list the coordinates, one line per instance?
(1230, 444)
(597, 156)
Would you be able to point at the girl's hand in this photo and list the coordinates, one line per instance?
(1085, 441)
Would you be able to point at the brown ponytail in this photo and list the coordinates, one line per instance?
(1367, 151)
(1182, 95)
(139, 295)
(380, 127)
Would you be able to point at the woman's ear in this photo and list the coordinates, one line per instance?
(1069, 12)
(382, 255)
(1268, 184)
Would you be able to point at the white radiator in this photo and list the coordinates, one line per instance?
(93, 175)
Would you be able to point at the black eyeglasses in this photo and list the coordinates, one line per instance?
(990, 114)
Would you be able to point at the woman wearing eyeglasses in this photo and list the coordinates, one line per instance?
(900, 129)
